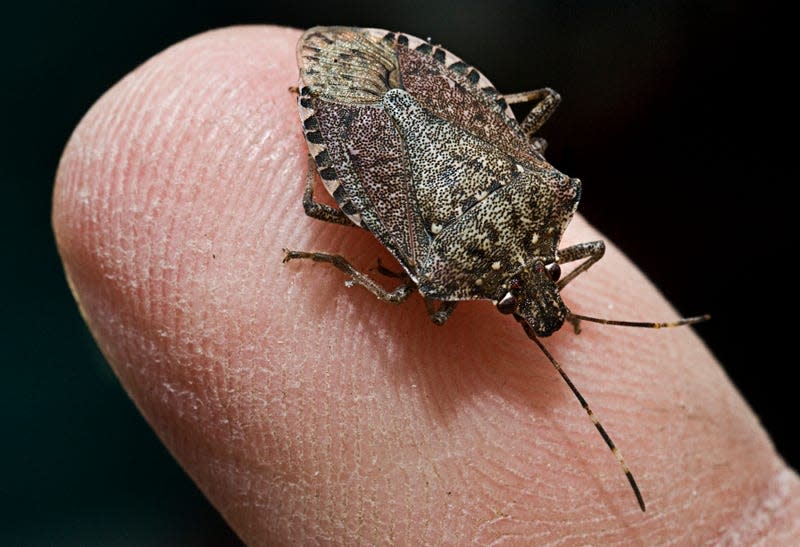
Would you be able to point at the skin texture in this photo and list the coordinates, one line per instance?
(308, 412)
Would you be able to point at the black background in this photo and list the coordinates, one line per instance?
(677, 116)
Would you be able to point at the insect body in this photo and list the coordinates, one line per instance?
(420, 149)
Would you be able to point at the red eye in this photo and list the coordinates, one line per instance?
(554, 270)
(508, 304)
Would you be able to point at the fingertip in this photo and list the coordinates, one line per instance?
(167, 212)
(172, 203)
(171, 169)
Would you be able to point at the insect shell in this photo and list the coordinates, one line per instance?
(420, 149)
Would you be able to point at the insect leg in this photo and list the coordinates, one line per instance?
(441, 314)
(399, 294)
(539, 144)
(321, 211)
(547, 101)
(592, 251)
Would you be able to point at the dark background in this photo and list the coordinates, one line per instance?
(676, 116)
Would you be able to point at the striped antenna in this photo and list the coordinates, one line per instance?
(595, 420)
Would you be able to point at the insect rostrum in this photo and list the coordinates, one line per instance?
(420, 149)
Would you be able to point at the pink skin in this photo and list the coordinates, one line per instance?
(309, 411)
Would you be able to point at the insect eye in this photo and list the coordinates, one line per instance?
(554, 270)
(508, 304)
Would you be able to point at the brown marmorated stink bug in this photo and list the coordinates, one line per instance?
(420, 149)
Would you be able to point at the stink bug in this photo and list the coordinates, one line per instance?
(420, 149)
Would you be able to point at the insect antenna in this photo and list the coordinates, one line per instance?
(573, 317)
(595, 421)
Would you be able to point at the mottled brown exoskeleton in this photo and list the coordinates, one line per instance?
(420, 149)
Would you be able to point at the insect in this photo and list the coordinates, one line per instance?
(421, 150)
